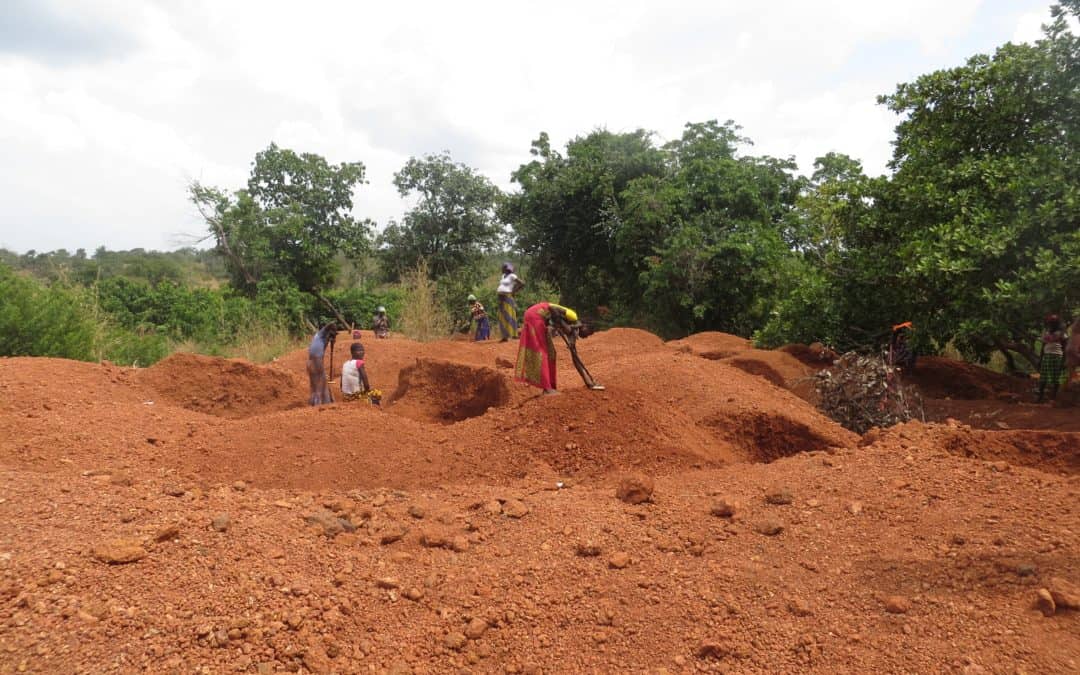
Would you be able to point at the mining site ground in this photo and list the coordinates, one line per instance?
(701, 515)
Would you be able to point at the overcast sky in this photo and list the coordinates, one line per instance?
(108, 108)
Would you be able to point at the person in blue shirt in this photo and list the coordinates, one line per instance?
(316, 368)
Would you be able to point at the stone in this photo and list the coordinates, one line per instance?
(799, 607)
(414, 594)
(221, 522)
(119, 551)
(1066, 594)
(434, 538)
(387, 582)
(855, 508)
(724, 507)
(1044, 600)
(391, 532)
(769, 528)
(619, 560)
(417, 511)
(167, 533)
(494, 507)
(332, 525)
(239, 486)
(779, 496)
(635, 489)
(459, 544)
(897, 604)
(515, 508)
(455, 641)
(587, 549)
(173, 490)
(476, 628)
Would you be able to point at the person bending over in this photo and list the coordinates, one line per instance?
(354, 379)
(536, 351)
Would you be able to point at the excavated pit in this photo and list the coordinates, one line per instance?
(444, 392)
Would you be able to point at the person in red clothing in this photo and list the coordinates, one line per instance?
(536, 350)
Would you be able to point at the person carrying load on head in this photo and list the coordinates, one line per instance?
(354, 379)
(479, 318)
(1052, 360)
(507, 307)
(316, 368)
(381, 323)
(536, 351)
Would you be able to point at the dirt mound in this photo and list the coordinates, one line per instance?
(231, 388)
(940, 377)
(712, 344)
(780, 368)
(815, 355)
(745, 411)
(446, 392)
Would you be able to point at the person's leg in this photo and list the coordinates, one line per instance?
(313, 382)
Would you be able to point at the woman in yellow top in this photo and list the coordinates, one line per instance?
(536, 351)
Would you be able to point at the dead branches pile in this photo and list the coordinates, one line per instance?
(861, 392)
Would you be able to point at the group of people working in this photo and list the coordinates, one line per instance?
(536, 360)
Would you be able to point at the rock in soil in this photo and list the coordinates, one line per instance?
(515, 508)
(619, 560)
(635, 489)
(221, 522)
(779, 496)
(1045, 602)
(769, 528)
(724, 507)
(1066, 594)
(897, 604)
(119, 551)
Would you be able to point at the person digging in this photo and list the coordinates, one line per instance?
(536, 350)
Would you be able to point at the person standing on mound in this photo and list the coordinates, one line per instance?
(380, 324)
(536, 351)
(507, 307)
(316, 368)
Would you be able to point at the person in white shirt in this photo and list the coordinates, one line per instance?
(354, 379)
(507, 308)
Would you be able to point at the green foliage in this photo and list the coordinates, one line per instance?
(984, 204)
(292, 222)
(453, 224)
(683, 238)
(37, 320)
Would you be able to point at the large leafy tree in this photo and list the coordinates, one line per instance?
(566, 213)
(984, 205)
(707, 241)
(453, 224)
(289, 224)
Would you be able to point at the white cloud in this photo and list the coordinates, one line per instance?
(101, 139)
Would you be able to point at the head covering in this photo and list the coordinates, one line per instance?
(571, 316)
(1051, 318)
(901, 326)
(508, 267)
(472, 298)
(380, 310)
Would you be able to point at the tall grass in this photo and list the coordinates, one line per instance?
(423, 317)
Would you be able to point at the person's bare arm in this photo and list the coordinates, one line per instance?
(363, 378)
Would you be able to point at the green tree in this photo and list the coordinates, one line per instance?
(984, 204)
(453, 224)
(566, 211)
(291, 222)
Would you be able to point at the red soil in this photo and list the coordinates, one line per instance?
(479, 503)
